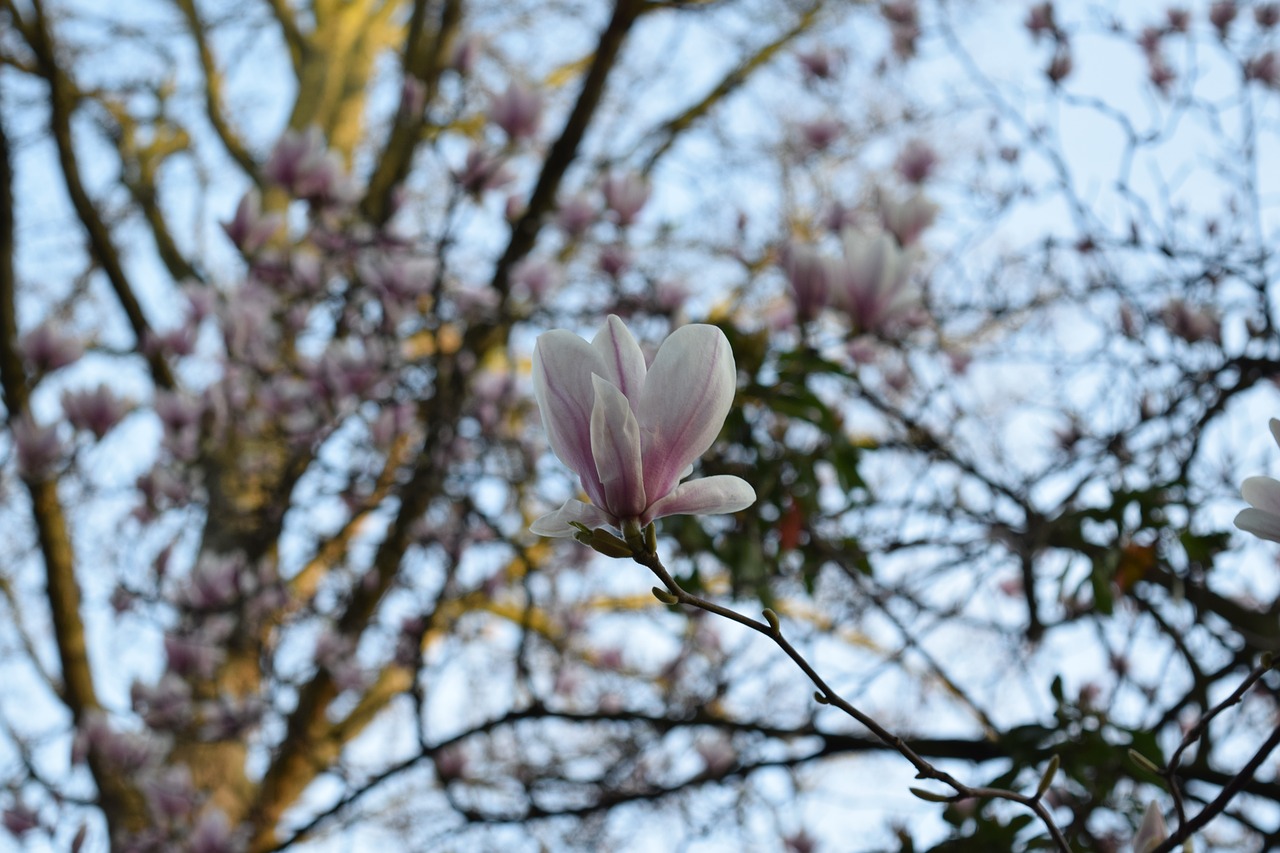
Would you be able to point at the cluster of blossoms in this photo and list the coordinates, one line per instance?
(870, 281)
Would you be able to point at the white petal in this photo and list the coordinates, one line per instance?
(556, 524)
(708, 496)
(1263, 493)
(563, 364)
(615, 445)
(1262, 524)
(1152, 832)
(622, 358)
(687, 394)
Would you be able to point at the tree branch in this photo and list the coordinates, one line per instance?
(563, 151)
(61, 105)
(214, 107)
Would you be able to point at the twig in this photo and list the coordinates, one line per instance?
(675, 594)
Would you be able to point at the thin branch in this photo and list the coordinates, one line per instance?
(563, 151)
(648, 558)
(61, 104)
(669, 131)
(294, 39)
(424, 68)
(213, 93)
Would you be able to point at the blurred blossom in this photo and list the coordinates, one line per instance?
(717, 754)
(45, 349)
(779, 315)
(1221, 14)
(864, 349)
(669, 295)
(1160, 73)
(1153, 831)
(128, 752)
(409, 640)
(1040, 20)
(1264, 68)
(165, 704)
(515, 207)
(214, 582)
(213, 834)
(901, 12)
(1179, 19)
(396, 278)
(190, 655)
(201, 302)
(37, 448)
(96, 410)
(249, 229)
(393, 421)
(1267, 15)
(1060, 65)
(916, 162)
(907, 218)
(903, 39)
(451, 762)
(1191, 323)
(632, 432)
(336, 653)
(180, 415)
(413, 96)
(1149, 40)
(877, 293)
(800, 842)
(577, 213)
(230, 717)
(820, 63)
(1262, 519)
(20, 819)
(837, 218)
(819, 134)
(535, 277)
(160, 489)
(170, 794)
(518, 111)
(465, 54)
(482, 172)
(303, 165)
(625, 195)
(812, 275)
(614, 260)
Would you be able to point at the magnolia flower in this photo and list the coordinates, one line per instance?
(877, 292)
(1153, 831)
(631, 432)
(518, 111)
(1262, 519)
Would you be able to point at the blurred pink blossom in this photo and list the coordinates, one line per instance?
(517, 110)
(45, 349)
(625, 195)
(96, 410)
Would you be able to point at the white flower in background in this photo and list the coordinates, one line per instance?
(1262, 519)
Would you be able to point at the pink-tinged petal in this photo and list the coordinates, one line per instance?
(687, 394)
(623, 359)
(1263, 493)
(557, 524)
(615, 445)
(708, 496)
(562, 367)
